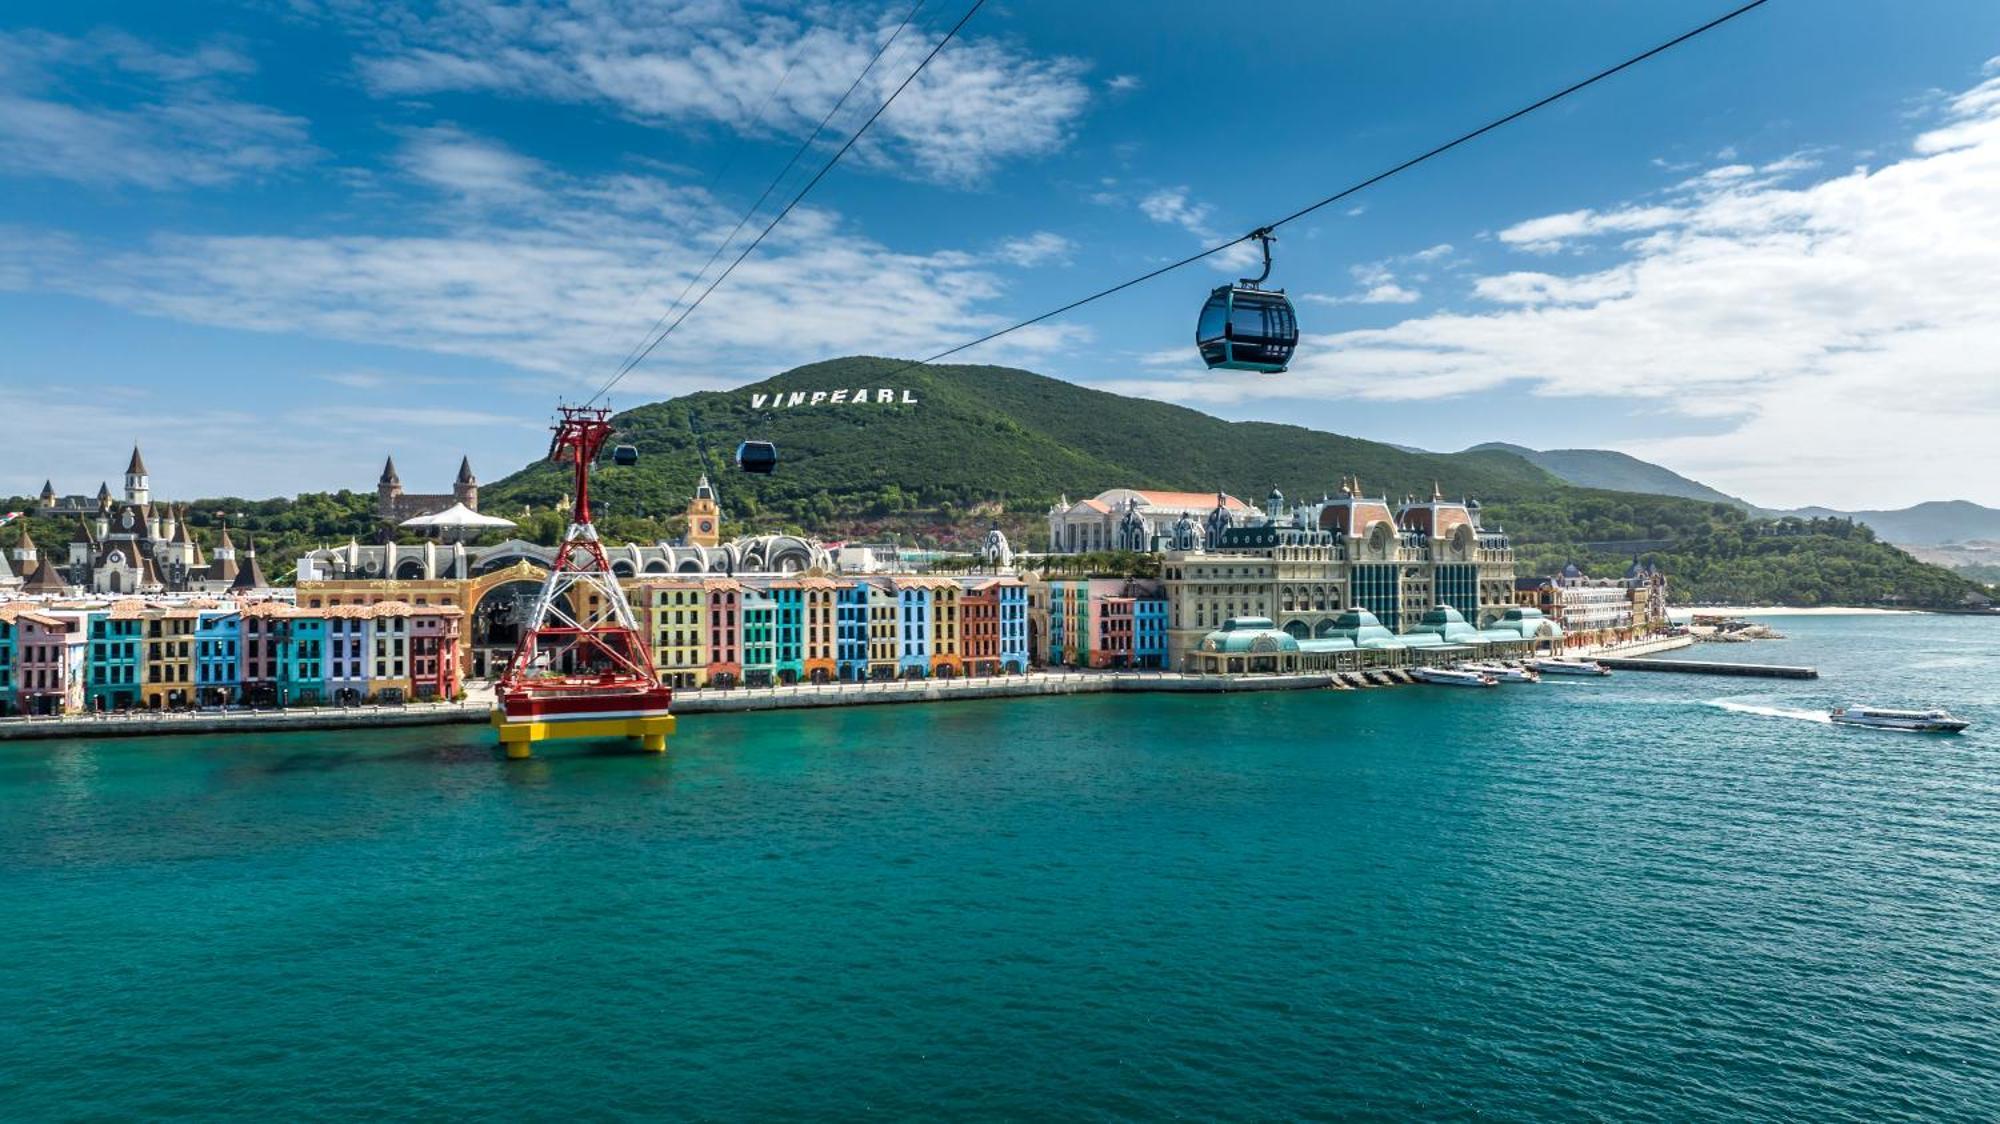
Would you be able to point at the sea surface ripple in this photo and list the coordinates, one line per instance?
(1653, 897)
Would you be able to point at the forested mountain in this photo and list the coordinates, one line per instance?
(968, 435)
(935, 455)
(1619, 472)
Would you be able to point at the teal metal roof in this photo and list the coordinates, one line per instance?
(1249, 634)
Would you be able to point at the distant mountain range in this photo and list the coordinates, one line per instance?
(1932, 523)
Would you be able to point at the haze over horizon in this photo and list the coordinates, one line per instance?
(274, 243)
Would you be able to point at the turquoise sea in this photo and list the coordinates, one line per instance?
(1649, 898)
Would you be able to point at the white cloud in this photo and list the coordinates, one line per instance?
(1836, 340)
(1039, 248)
(1378, 281)
(979, 103)
(564, 284)
(1176, 206)
(1551, 232)
(1123, 83)
(177, 127)
(470, 167)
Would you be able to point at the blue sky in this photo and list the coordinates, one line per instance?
(276, 241)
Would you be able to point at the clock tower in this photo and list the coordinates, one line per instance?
(703, 516)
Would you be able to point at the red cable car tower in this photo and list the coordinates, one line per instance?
(582, 669)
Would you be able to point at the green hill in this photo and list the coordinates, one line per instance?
(982, 436)
(1618, 472)
(960, 447)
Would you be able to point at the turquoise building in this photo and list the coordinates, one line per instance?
(115, 645)
(302, 661)
(760, 647)
(788, 626)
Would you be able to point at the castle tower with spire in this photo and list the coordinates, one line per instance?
(704, 515)
(393, 504)
(466, 487)
(389, 487)
(138, 485)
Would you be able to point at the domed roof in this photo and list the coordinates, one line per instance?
(1572, 571)
(1255, 635)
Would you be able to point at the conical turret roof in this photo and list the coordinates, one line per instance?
(250, 575)
(48, 489)
(45, 579)
(389, 472)
(465, 471)
(137, 466)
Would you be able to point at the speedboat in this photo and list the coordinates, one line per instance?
(1553, 665)
(1919, 721)
(1452, 677)
(1505, 673)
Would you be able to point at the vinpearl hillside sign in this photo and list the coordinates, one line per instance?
(862, 396)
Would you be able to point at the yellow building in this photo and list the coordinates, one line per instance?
(884, 612)
(820, 596)
(947, 657)
(676, 618)
(167, 650)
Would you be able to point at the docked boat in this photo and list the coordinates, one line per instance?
(1452, 677)
(1552, 665)
(1918, 721)
(1505, 673)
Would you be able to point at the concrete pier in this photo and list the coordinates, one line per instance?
(1711, 667)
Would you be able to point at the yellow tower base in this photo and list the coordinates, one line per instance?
(519, 738)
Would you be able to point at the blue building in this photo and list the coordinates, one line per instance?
(114, 663)
(7, 703)
(1149, 631)
(913, 649)
(788, 626)
(851, 631)
(218, 656)
(1014, 627)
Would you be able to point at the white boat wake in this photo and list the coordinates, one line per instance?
(1792, 712)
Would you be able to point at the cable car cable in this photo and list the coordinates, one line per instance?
(796, 199)
(629, 361)
(1337, 196)
(721, 170)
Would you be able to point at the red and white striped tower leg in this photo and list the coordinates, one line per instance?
(583, 668)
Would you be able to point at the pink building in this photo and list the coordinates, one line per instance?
(49, 662)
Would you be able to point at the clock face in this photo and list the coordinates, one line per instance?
(707, 526)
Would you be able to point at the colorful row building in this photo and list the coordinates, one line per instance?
(752, 631)
(67, 657)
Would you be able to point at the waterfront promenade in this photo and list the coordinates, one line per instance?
(478, 701)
